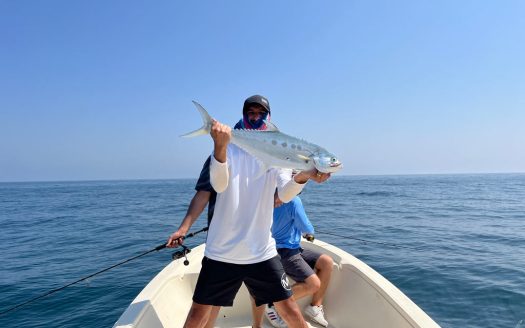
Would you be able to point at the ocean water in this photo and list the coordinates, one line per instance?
(455, 244)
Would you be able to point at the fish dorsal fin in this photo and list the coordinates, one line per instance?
(271, 127)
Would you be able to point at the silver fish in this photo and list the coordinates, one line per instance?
(275, 149)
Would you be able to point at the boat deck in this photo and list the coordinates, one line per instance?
(357, 297)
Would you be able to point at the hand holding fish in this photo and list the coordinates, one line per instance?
(312, 174)
(221, 135)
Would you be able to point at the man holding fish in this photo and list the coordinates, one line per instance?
(239, 247)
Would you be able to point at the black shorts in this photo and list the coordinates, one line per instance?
(219, 282)
(299, 264)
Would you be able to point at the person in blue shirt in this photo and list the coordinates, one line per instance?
(310, 270)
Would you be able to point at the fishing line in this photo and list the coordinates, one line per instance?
(52, 291)
(367, 241)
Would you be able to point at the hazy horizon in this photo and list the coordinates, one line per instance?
(333, 176)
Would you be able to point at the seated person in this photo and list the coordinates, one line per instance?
(310, 270)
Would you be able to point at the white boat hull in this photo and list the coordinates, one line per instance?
(357, 297)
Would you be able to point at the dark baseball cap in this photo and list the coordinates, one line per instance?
(256, 99)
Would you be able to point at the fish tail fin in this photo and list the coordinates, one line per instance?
(206, 119)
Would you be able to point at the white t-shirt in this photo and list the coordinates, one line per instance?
(240, 231)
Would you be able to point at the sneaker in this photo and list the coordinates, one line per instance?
(316, 313)
(274, 318)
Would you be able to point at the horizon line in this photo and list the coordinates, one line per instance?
(195, 178)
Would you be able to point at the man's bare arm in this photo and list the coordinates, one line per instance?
(197, 205)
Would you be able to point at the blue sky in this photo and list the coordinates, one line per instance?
(102, 89)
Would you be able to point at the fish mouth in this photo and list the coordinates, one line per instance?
(335, 164)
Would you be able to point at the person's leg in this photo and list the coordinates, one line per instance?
(213, 316)
(198, 315)
(290, 312)
(307, 287)
(217, 285)
(297, 268)
(257, 314)
(267, 283)
(323, 268)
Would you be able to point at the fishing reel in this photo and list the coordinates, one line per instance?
(182, 253)
(185, 250)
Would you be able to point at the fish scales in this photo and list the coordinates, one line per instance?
(276, 149)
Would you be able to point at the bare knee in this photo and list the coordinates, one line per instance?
(324, 263)
(313, 283)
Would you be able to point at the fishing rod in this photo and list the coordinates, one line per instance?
(175, 256)
(367, 241)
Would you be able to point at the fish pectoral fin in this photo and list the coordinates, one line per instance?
(270, 126)
(304, 158)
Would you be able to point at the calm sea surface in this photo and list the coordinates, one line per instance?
(462, 261)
